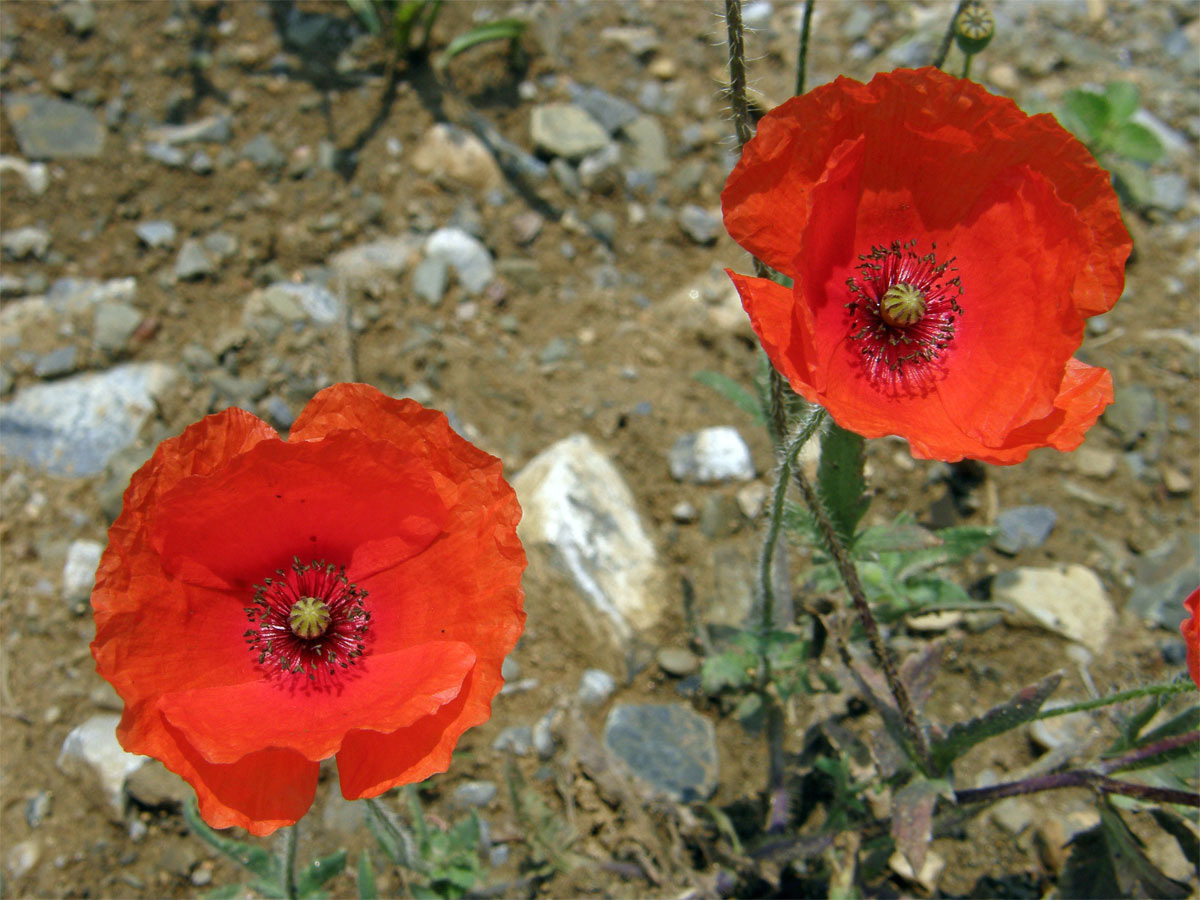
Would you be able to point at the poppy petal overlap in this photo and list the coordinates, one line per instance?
(405, 536)
(1015, 229)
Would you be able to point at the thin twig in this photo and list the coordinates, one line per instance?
(883, 656)
(1166, 745)
(944, 48)
(805, 31)
(1078, 778)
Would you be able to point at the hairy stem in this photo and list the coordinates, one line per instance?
(802, 60)
(849, 576)
(290, 839)
(1150, 690)
(737, 72)
(944, 47)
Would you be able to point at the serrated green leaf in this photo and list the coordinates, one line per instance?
(897, 538)
(735, 393)
(1020, 709)
(254, 859)
(366, 878)
(840, 482)
(500, 30)
(1137, 142)
(1123, 98)
(731, 669)
(365, 10)
(319, 871)
(959, 543)
(1133, 726)
(1087, 114)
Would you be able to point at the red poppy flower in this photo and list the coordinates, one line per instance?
(1190, 629)
(266, 604)
(945, 249)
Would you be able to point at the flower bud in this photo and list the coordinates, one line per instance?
(974, 27)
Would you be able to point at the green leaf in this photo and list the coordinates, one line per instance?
(904, 537)
(912, 817)
(1129, 860)
(1123, 98)
(1131, 182)
(1188, 720)
(366, 878)
(1087, 114)
(403, 21)
(738, 395)
(255, 859)
(1020, 709)
(750, 712)
(1183, 834)
(1089, 871)
(500, 30)
(1139, 720)
(731, 669)
(365, 10)
(319, 871)
(225, 892)
(959, 543)
(1137, 142)
(840, 482)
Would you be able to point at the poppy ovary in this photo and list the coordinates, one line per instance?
(902, 305)
(309, 618)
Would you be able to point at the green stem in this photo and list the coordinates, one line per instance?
(1150, 690)
(805, 31)
(775, 520)
(737, 72)
(967, 64)
(919, 744)
(290, 839)
(944, 47)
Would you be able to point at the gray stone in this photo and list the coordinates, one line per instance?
(113, 325)
(579, 514)
(1070, 731)
(47, 128)
(677, 661)
(471, 261)
(637, 39)
(684, 513)
(79, 572)
(668, 747)
(1069, 600)
(1163, 577)
(1133, 410)
(556, 350)
(517, 740)
(277, 410)
(611, 112)
(701, 225)
(56, 363)
(710, 456)
(720, 516)
(646, 149)
(221, 244)
(566, 130)
(912, 52)
(567, 176)
(166, 154)
(211, 130)
(429, 279)
(1023, 528)
(76, 425)
(22, 243)
(35, 175)
(374, 265)
(261, 151)
(474, 794)
(296, 303)
(91, 753)
(595, 687)
(80, 15)
(153, 786)
(543, 735)
(37, 808)
(193, 261)
(201, 163)
(510, 669)
(1168, 191)
(158, 233)
(597, 170)
(21, 858)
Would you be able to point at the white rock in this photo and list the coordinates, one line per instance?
(35, 174)
(595, 686)
(21, 858)
(711, 455)
(91, 751)
(470, 260)
(375, 264)
(76, 425)
(579, 510)
(79, 573)
(1069, 600)
(752, 498)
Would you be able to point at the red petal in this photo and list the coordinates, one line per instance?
(1190, 629)
(380, 692)
(344, 499)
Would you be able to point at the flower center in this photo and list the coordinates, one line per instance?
(902, 312)
(308, 619)
(902, 305)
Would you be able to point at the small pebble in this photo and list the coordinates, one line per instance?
(677, 661)
(595, 686)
